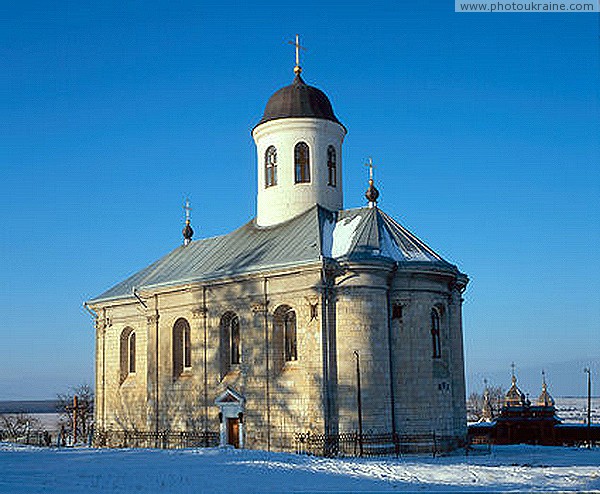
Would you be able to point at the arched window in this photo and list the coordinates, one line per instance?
(271, 166)
(132, 353)
(302, 163)
(435, 334)
(182, 347)
(235, 340)
(289, 326)
(127, 349)
(331, 166)
(284, 346)
(230, 342)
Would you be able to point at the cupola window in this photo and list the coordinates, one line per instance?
(271, 166)
(331, 166)
(302, 163)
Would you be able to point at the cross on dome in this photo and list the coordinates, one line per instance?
(372, 193)
(371, 166)
(297, 68)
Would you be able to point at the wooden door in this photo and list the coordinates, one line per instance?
(233, 432)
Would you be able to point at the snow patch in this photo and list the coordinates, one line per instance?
(343, 235)
(327, 237)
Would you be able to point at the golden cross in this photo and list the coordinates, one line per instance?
(187, 210)
(298, 48)
(371, 166)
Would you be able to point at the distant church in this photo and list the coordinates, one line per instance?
(256, 334)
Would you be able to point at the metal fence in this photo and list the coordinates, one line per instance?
(373, 444)
(160, 439)
(33, 438)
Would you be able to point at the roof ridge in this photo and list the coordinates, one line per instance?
(411, 237)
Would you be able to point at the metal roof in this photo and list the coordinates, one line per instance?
(298, 100)
(355, 234)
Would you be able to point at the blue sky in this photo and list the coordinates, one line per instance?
(484, 129)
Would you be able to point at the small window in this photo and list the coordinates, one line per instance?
(435, 334)
(289, 326)
(331, 166)
(397, 312)
(302, 163)
(271, 166)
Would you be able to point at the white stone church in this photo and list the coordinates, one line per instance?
(257, 334)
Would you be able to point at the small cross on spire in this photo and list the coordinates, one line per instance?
(371, 166)
(372, 193)
(187, 209)
(297, 68)
(543, 378)
(188, 232)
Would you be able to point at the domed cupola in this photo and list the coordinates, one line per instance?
(299, 148)
(298, 100)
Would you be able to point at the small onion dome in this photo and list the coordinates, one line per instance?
(188, 233)
(298, 100)
(545, 400)
(514, 396)
(372, 193)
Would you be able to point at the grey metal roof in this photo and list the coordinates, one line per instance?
(370, 233)
(355, 234)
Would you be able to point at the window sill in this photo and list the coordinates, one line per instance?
(129, 380)
(290, 365)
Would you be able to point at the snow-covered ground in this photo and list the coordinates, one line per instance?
(507, 468)
(574, 409)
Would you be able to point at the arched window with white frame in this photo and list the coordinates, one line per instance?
(302, 163)
(230, 342)
(182, 347)
(132, 353)
(270, 166)
(331, 167)
(127, 353)
(289, 327)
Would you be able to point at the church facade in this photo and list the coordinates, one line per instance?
(265, 332)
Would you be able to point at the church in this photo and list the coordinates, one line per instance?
(311, 318)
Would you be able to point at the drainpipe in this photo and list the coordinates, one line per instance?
(205, 315)
(268, 390)
(157, 408)
(325, 350)
(390, 349)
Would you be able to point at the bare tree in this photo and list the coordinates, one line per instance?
(476, 402)
(14, 426)
(84, 410)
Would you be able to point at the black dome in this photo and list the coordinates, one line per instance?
(298, 100)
